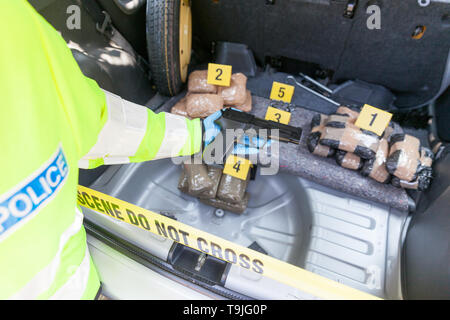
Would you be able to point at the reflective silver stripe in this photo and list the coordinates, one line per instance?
(116, 160)
(175, 136)
(42, 281)
(122, 133)
(75, 287)
(83, 164)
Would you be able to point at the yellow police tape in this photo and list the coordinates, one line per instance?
(304, 280)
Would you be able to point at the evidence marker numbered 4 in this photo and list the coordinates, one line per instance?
(237, 167)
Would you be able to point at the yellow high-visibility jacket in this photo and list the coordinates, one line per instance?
(54, 120)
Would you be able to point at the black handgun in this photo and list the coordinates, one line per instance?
(287, 133)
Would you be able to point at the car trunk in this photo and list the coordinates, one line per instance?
(313, 214)
(334, 233)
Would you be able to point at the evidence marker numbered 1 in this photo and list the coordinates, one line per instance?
(373, 119)
(237, 167)
(219, 74)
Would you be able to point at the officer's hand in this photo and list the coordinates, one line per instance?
(246, 146)
(250, 145)
(210, 128)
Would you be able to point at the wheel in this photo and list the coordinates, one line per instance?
(169, 42)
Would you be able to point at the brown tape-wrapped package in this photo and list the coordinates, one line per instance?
(337, 119)
(404, 157)
(232, 207)
(183, 184)
(426, 157)
(236, 93)
(376, 167)
(312, 142)
(421, 183)
(388, 131)
(348, 160)
(247, 105)
(194, 182)
(215, 174)
(198, 83)
(232, 189)
(198, 180)
(201, 105)
(424, 176)
(347, 137)
(352, 113)
(180, 108)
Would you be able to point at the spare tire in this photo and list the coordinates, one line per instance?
(169, 43)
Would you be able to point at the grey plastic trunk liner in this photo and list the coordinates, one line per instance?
(297, 160)
(351, 241)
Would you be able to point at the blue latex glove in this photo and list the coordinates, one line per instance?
(250, 145)
(211, 129)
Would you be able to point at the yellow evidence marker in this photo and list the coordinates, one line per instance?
(219, 74)
(237, 167)
(277, 115)
(282, 92)
(373, 119)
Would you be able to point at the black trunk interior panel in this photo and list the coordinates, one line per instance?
(426, 252)
(442, 109)
(317, 32)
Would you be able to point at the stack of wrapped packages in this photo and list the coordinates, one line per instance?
(395, 158)
(203, 99)
(212, 187)
(209, 184)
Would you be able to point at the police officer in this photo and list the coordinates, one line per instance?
(53, 121)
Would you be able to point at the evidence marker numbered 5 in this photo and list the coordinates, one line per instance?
(282, 92)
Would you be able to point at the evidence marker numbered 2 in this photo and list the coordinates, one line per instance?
(219, 74)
